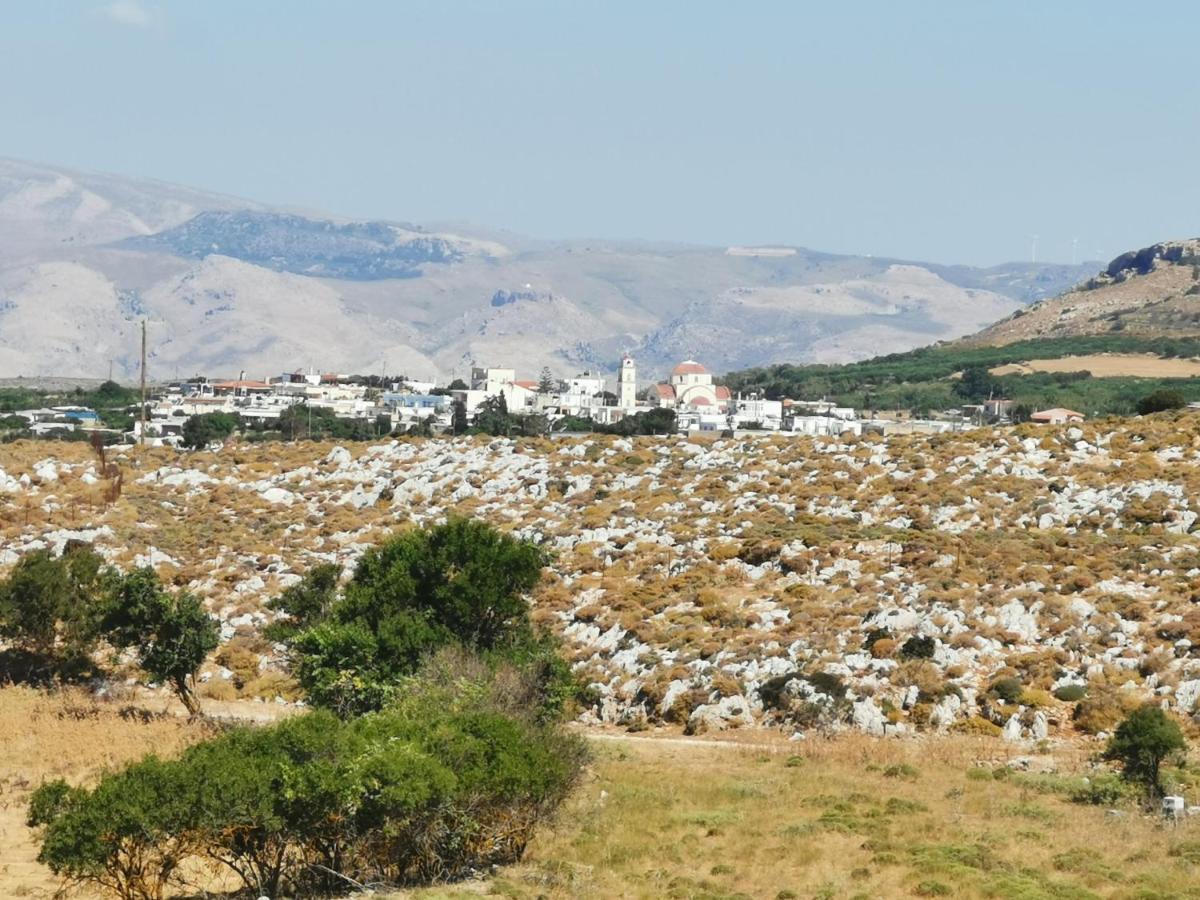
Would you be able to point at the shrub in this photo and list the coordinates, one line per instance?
(977, 725)
(1101, 710)
(883, 648)
(931, 888)
(918, 647)
(1070, 693)
(1006, 689)
(1102, 790)
(1034, 697)
(206, 428)
(459, 583)
(442, 784)
(1160, 400)
(48, 607)
(306, 602)
(128, 836)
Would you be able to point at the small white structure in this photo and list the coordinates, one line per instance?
(1173, 807)
(627, 383)
(768, 414)
(1056, 416)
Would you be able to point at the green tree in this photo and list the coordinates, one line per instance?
(458, 385)
(458, 583)
(547, 383)
(171, 632)
(976, 383)
(1141, 743)
(492, 417)
(49, 606)
(201, 430)
(1160, 401)
(306, 602)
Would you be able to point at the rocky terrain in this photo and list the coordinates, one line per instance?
(229, 285)
(1153, 292)
(1033, 583)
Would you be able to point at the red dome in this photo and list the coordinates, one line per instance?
(689, 367)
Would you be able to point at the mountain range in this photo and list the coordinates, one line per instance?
(229, 285)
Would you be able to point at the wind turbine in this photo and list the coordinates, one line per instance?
(1033, 239)
(1074, 249)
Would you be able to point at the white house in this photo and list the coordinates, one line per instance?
(767, 413)
(1056, 416)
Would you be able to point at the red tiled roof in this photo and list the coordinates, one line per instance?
(699, 401)
(689, 367)
(665, 391)
(528, 385)
(722, 392)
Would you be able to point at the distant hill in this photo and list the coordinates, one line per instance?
(1130, 329)
(229, 284)
(1152, 292)
(359, 251)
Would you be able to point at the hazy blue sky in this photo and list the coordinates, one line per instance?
(947, 131)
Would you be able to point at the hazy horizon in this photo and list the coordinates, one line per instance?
(945, 134)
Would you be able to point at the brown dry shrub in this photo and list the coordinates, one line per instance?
(978, 726)
(921, 674)
(218, 689)
(240, 657)
(726, 685)
(1103, 709)
(884, 648)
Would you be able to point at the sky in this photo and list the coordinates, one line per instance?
(950, 131)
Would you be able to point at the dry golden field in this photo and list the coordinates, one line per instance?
(1101, 365)
(761, 817)
(69, 735)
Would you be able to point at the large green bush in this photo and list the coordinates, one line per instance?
(48, 611)
(462, 583)
(206, 428)
(435, 787)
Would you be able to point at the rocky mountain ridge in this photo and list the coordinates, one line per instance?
(1151, 292)
(283, 290)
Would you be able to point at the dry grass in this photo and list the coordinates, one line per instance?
(851, 817)
(67, 735)
(1139, 365)
(845, 817)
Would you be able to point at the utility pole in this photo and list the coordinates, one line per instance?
(142, 410)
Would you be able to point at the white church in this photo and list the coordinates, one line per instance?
(691, 389)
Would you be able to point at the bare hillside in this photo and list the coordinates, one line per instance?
(1153, 292)
(227, 285)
